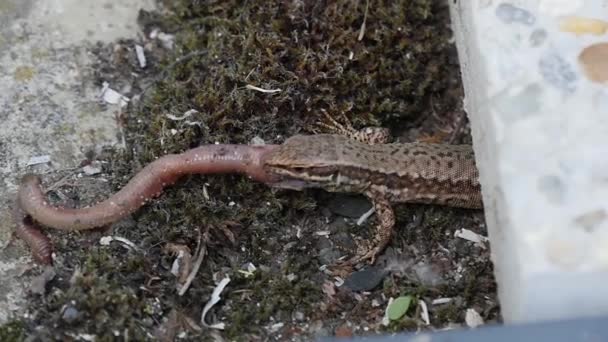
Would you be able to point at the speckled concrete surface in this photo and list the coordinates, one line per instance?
(535, 76)
(49, 104)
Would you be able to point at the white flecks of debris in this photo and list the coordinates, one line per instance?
(424, 312)
(262, 90)
(275, 327)
(141, 56)
(385, 320)
(365, 216)
(186, 115)
(215, 297)
(339, 281)
(246, 272)
(205, 191)
(39, 160)
(90, 170)
(128, 244)
(255, 141)
(440, 301)
(111, 96)
(167, 40)
(473, 319)
(178, 263)
(86, 337)
(479, 240)
(362, 29)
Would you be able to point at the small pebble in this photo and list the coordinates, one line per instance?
(349, 206)
(366, 279)
(70, 314)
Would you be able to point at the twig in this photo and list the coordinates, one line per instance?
(201, 250)
(215, 297)
(183, 262)
(128, 244)
(362, 31)
(262, 90)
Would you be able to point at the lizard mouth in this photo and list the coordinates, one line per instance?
(298, 178)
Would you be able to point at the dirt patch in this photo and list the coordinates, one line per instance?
(402, 74)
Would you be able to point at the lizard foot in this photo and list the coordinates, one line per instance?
(369, 135)
(366, 252)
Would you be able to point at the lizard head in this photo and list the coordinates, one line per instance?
(305, 161)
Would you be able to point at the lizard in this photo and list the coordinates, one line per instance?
(345, 160)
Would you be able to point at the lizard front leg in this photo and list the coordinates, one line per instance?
(369, 135)
(369, 250)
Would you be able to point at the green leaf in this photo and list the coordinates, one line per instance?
(399, 307)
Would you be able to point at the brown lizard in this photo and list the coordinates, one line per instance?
(362, 162)
(385, 173)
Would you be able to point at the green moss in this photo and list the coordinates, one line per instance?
(404, 324)
(304, 49)
(448, 313)
(437, 221)
(12, 331)
(268, 296)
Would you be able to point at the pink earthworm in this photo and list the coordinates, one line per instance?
(145, 185)
(27, 230)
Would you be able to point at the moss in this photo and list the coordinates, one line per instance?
(103, 299)
(436, 222)
(302, 48)
(448, 313)
(478, 280)
(13, 331)
(404, 324)
(268, 297)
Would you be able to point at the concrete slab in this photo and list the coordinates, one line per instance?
(536, 76)
(49, 104)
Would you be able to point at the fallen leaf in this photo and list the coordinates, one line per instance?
(399, 307)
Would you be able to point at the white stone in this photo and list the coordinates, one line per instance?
(540, 129)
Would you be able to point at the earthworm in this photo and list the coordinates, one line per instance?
(145, 185)
(27, 230)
